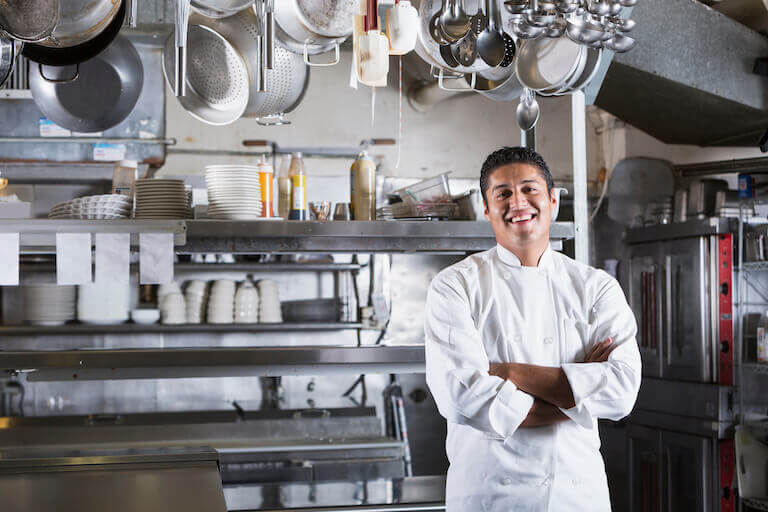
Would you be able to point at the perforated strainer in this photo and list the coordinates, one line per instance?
(286, 81)
(217, 78)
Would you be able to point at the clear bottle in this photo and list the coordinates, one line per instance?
(762, 339)
(298, 189)
(362, 191)
(284, 188)
(265, 184)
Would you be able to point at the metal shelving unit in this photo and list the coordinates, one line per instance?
(755, 503)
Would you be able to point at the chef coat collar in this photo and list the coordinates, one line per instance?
(508, 257)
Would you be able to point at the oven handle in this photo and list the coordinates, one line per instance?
(668, 307)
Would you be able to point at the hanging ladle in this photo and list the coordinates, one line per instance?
(527, 110)
(453, 20)
(490, 42)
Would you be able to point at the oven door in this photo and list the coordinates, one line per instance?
(688, 329)
(645, 293)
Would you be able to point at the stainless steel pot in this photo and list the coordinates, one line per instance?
(8, 52)
(311, 27)
(29, 20)
(220, 8)
(102, 93)
(80, 21)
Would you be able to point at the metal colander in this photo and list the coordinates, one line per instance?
(286, 81)
(217, 78)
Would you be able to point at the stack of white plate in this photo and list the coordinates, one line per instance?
(106, 206)
(269, 302)
(48, 304)
(233, 192)
(103, 304)
(221, 302)
(161, 199)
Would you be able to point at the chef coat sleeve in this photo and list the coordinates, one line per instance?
(457, 366)
(609, 389)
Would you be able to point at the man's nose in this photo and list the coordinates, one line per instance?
(517, 201)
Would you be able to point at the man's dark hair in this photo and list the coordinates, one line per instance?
(513, 155)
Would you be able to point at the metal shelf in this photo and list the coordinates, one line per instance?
(755, 503)
(161, 363)
(39, 235)
(755, 266)
(266, 267)
(130, 328)
(761, 368)
(253, 237)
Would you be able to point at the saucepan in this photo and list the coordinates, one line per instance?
(311, 27)
(102, 94)
(80, 52)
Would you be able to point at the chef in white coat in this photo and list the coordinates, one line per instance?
(526, 349)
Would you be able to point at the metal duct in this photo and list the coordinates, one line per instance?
(689, 80)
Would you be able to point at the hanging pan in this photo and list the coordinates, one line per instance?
(102, 94)
(29, 20)
(79, 53)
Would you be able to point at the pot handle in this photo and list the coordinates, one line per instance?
(441, 84)
(320, 64)
(60, 80)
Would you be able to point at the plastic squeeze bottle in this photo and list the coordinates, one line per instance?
(298, 189)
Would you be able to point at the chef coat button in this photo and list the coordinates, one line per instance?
(507, 275)
(506, 481)
(548, 340)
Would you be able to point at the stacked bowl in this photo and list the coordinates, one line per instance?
(234, 192)
(161, 199)
(48, 304)
(106, 206)
(221, 302)
(103, 304)
(196, 297)
(246, 304)
(269, 302)
(171, 303)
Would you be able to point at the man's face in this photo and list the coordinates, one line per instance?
(519, 205)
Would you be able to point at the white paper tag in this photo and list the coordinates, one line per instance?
(155, 258)
(50, 129)
(108, 152)
(73, 258)
(9, 259)
(113, 255)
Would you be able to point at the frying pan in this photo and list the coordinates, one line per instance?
(102, 95)
(79, 53)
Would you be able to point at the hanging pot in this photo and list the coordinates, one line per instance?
(311, 27)
(80, 21)
(29, 20)
(80, 53)
(220, 8)
(100, 94)
(8, 52)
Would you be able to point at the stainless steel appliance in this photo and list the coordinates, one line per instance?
(677, 443)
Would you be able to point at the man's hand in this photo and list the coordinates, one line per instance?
(600, 352)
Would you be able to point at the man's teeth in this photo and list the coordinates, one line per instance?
(521, 218)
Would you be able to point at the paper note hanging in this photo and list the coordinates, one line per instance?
(73, 258)
(155, 258)
(113, 255)
(9, 259)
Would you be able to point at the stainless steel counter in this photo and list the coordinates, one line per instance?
(425, 493)
(157, 363)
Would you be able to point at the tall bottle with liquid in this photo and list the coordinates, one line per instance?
(362, 193)
(284, 188)
(298, 189)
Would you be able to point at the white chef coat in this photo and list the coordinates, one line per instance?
(489, 308)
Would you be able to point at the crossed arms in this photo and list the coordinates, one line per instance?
(500, 398)
(548, 385)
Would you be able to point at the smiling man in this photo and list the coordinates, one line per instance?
(526, 349)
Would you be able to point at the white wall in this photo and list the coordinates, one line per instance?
(456, 135)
